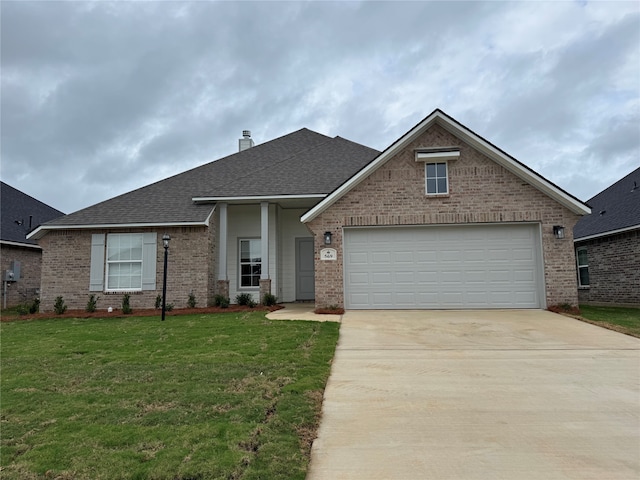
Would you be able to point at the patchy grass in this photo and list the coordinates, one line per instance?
(620, 319)
(225, 396)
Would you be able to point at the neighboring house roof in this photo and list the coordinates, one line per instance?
(302, 163)
(471, 138)
(20, 214)
(615, 209)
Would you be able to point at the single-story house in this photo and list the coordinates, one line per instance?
(21, 258)
(441, 218)
(607, 244)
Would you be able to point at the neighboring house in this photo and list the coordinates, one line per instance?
(21, 258)
(607, 244)
(440, 219)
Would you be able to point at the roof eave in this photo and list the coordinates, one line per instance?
(20, 244)
(459, 130)
(607, 233)
(256, 198)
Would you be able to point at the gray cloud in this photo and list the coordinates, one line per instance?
(99, 98)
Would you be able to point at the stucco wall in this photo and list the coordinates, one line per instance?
(66, 267)
(614, 269)
(480, 191)
(24, 290)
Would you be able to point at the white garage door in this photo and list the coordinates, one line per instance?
(488, 266)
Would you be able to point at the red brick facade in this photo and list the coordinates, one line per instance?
(614, 269)
(480, 191)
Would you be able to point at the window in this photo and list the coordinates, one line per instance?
(583, 267)
(250, 262)
(436, 175)
(124, 261)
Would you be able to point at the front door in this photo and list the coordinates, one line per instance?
(305, 281)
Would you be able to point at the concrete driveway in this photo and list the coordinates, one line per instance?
(524, 394)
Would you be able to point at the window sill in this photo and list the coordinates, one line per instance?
(437, 195)
(122, 292)
(585, 287)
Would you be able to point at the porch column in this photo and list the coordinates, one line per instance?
(265, 282)
(223, 282)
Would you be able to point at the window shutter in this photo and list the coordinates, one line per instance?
(96, 274)
(149, 261)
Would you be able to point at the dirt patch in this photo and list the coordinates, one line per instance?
(150, 312)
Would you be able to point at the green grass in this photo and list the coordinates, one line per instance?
(620, 319)
(229, 396)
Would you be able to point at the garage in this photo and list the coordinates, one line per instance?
(443, 267)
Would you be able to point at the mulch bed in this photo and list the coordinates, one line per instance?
(151, 312)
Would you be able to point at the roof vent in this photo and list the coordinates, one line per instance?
(245, 142)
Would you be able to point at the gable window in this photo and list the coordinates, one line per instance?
(583, 267)
(250, 262)
(436, 177)
(123, 262)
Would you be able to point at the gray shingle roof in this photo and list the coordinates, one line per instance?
(615, 208)
(302, 162)
(18, 210)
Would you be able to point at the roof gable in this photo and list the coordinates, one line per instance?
(617, 208)
(21, 213)
(469, 137)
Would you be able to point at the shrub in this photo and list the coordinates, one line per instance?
(159, 302)
(25, 308)
(245, 299)
(59, 307)
(92, 304)
(191, 303)
(126, 305)
(22, 309)
(168, 307)
(35, 306)
(269, 300)
(221, 301)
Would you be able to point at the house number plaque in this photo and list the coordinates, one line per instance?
(328, 254)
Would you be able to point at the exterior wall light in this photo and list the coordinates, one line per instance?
(327, 238)
(165, 243)
(558, 231)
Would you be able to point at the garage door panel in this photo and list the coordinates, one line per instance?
(487, 266)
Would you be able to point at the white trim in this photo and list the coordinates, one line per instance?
(223, 234)
(18, 244)
(264, 238)
(258, 198)
(42, 230)
(477, 142)
(431, 157)
(578, 266)
(606, 234)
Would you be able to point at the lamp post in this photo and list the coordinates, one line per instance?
(165, 243)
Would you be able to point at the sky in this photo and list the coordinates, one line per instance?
(101, 98)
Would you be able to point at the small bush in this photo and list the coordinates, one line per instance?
(126, 305)
(269, 300)
(35, 306)
(92, 304)
(59, 307)
(245, 299)
(221, 301)
(191, 303)
(22, 309)
(168, 307)
(159, 302)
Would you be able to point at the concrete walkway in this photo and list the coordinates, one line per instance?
(301, 311)
(479, 395)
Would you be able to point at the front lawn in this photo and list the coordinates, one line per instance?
(224, 396)
(620, 319)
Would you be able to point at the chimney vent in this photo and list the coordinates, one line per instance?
(245, 142)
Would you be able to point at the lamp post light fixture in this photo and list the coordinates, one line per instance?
(327, 238)
(165, 243)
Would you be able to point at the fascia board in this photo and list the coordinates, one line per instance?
(257, 198)
(606, 234)
(22, 245)
(44, 229)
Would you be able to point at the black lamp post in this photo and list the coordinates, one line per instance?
(165, 243)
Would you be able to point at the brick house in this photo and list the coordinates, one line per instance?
(607, 245)
(440, 219)
(21, 258)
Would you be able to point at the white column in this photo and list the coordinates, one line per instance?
(264, 239)
(222, 242)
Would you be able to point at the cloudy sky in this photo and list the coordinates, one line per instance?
(101, 98)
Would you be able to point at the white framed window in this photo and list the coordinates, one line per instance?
(123, 262)
(250, 262)
(436, 175)
(583, 267)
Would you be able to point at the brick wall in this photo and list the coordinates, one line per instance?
(614, 269)
(480, 191)
(24, 290)
(66, 266)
